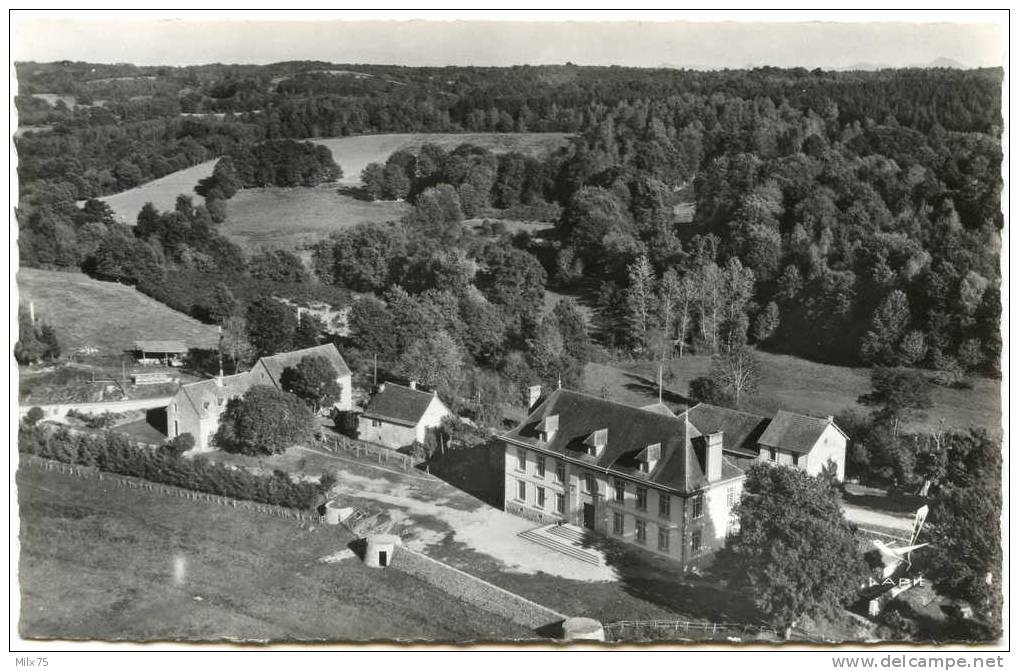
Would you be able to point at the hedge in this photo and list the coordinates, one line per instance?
(114, 453)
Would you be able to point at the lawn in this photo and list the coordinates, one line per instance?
(355, 152)
(105, 315)
(99, 562)
(281, 218)
(799, 385)
(160, 192)
(448, 524)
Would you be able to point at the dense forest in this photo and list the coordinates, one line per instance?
(851, 217)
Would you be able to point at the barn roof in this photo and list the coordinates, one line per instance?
(630, 430)
(277, 363)
(397, 404)
(209, 397)
(741, 429)
(164, 346)
(793, 432)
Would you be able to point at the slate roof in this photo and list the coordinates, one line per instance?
(793, 432)
(742, 430)
(277, 363)
(205, 396)
(630, 431)
(399, 405)
(659, 408)
(161, 346)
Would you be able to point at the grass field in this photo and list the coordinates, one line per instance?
(802, 386)
(278, 218)
(160, 192)
(105, 315)
(105, 563)
(354, 153)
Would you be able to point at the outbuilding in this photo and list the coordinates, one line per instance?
(397, 416)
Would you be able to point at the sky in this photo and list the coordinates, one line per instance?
(104, 37)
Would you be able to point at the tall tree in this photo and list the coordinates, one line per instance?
(264, 421)
(313, 380)
(794, 554)
(271, 326)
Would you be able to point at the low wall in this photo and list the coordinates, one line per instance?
(475, 591)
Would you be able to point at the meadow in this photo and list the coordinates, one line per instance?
(160, 192)
(799, 385)
(291, 218)
(355, 152)
(105, 315)
(100, 562)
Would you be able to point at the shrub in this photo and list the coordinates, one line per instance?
(34, 414)
(178, 445)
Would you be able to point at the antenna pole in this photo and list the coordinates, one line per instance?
(375, 372)
(659, 384)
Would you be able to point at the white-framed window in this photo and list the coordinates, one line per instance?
(697, 506)
(540, 465)
(560, 502)
(540, 495)
(620, 488)
(376, 423)
(560, 471)
(641, 528)
(617, 524)
(695, 542)
(663, 539)
(590, 484)
(773, 454)
(664, 505)
(521, 490)
(521, 459)
(796, 460)
(641, 498)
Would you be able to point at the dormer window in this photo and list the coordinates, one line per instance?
(596, 442)
(547, 428)
(649, 458)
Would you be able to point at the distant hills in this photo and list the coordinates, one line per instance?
(863, 65)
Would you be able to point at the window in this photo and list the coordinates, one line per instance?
(617, 524)
(695, 542)
(541, 466)
(560, 503)
(560, 471)
(521, 459)
(376, 423)
(773, 454)
(641, 526)
(540, 491)
(731, 496)
(663, 539)
(521, 490)
(590, 485)
(796, 460)
(620, 491)
(641, 498)
(664, 505)
(697, 506)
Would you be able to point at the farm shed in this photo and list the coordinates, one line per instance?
(169, 352)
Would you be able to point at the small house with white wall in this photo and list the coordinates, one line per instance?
(397, 416)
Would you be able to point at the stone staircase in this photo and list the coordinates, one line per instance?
(566, 539)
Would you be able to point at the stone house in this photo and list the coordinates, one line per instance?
(397, 416)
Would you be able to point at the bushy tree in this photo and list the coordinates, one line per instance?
(313, 380)
(271, 326)
(264, 421)
(373, 180)
(795, 555)
(897, 395)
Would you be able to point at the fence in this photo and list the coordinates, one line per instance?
(475, 591)
(368, 451)
(653, 629)
(128, 482)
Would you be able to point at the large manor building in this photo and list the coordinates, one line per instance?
(664, 481)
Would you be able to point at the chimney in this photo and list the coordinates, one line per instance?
(413, 384)
(31, 312)
(533, 396)
(830, 418)
(713, 455)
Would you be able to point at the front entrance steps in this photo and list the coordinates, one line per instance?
(566, 539)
